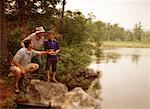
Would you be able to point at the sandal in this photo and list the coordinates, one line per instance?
(55, 81)
(11, 74)
(17, 90)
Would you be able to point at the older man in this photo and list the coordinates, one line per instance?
(21, 63)
(37, 38)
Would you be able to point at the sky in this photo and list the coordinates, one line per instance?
(124, 12)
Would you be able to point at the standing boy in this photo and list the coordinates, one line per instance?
(51, 45)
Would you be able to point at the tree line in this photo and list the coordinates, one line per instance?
(20, 17)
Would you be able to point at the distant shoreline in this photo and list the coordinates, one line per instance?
(112, 44)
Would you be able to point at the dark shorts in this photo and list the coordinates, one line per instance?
(53, 63)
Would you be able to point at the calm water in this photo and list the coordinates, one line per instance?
(126, 83)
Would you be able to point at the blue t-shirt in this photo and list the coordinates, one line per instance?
(51, 45)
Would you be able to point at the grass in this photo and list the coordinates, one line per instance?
(111, 44)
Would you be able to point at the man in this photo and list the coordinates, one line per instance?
(52, 46)
(37, 38)
(38, 41)
(21, 63)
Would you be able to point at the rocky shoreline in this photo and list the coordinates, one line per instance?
(76, 90)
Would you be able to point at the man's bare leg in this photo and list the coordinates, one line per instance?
(18, 75)
(30, 68)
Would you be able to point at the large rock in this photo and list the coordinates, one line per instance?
(41, 92)
(95, 89)
(82, 78)
(76, 99)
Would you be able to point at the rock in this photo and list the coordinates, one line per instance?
(82, 78)
(90, 73)
(76, 99)
(41, 92)
(95, 89)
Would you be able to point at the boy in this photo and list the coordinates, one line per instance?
(52, 46)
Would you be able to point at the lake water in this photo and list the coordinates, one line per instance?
(126, 82)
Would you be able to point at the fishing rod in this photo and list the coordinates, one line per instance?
(72, 59)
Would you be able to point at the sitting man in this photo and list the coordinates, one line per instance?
(21, 63)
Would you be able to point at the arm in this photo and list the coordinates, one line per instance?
(40, 53)
(17, 58)
(57, 51)
(27, 38)
(18, 65)
(22, 42)
(54, 52)
(44, 52)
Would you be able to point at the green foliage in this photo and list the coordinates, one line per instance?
(98, 52)
(146, 37)
(73, 58)
(99, 31)
(138, 32)
(47, 21)
(74, 28)
(14, 40)
(27, 9)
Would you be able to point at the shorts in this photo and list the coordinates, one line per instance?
(29, 67)
(53, 63)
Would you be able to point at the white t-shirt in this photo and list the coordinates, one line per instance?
(37, 43)
(23, 56)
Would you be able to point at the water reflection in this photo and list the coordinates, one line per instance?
(135, 58)
(125, 81)
(108, 57)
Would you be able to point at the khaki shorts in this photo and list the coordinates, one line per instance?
(28, 68)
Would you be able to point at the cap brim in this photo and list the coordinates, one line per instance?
(43, 31)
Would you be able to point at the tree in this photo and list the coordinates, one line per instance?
(30, 9)
(128, 36)
(138, 32)
(63, 8)
(108, 31)
(3, 36)
(99, 30)
(74, 28)
(146, 36)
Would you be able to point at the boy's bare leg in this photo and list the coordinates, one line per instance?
(54, 77)
(48, 76)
